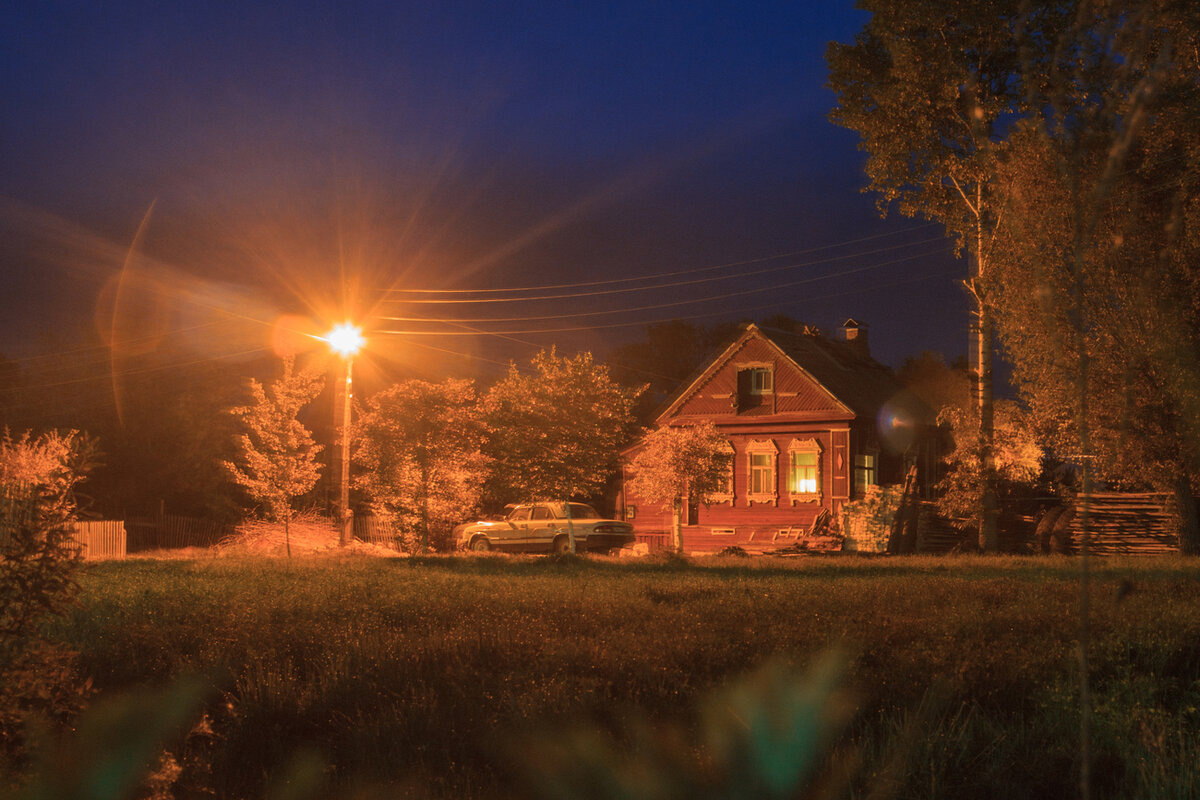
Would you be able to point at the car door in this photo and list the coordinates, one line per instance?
(514, 537)
(543, 527)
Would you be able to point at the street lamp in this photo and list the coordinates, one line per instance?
(345, 340)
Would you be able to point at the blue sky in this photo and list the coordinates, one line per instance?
(289, 150)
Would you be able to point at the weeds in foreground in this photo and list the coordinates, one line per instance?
(417, 675)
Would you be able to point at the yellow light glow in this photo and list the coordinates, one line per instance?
(345, 339)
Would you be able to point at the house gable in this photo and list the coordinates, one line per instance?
(727, 389)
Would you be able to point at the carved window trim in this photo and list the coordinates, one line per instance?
(727, 495)
(768, 448)
(813, 446)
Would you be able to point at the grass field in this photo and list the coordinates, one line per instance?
(496, 676)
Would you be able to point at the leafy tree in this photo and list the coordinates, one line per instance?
(1103, 329)
(675, 462)
(931, 92)
(1018, 458)
(420, 446)
(277, 453)
(38, 561)
(555, 433)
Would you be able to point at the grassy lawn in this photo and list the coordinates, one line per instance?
(492, 676)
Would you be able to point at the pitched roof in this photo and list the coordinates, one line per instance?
(843, 369)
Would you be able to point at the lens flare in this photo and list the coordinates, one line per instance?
(345, 339)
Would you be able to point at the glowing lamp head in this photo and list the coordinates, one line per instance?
(345, 339)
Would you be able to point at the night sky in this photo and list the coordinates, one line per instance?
(193, 173)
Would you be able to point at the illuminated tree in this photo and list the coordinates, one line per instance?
(672, 463)
(38, 560)
(930, 91)
(555, 433)
(419, 446)
(277, 455)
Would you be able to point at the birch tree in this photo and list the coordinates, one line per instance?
(930, 91)
(277, 458)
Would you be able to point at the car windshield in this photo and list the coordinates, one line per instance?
(580, 511)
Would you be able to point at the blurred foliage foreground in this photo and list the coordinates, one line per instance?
(596, 678)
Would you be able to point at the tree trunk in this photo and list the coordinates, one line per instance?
(570, 528)
(1189, 523)
(677, 523)
(989, 539)
(287, 535)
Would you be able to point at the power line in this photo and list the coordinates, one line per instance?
(673, 304)
(694, 270)
(722, 312)
(672, 285)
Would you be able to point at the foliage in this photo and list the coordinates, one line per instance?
(38, 564)
(419, 444)
(1018, 458)
(555, 433)
(480, 648)
(931, 95)
(277, 453)
(1100, 300)
(673, 462)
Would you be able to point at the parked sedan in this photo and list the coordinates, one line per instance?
(542, 528)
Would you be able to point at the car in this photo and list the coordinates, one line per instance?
(542, 528)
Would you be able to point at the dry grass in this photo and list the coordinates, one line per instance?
(310, 534)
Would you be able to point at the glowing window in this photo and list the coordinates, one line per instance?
(803, 477)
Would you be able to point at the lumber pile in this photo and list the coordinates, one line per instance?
(1127, 524)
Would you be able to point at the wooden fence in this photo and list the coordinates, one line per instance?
(170, 532)
(100, 539)
(376, 531)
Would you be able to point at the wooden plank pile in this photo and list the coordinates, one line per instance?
(1128, 524)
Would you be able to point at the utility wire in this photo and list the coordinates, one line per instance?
(672, 285)
(722, 312)
(673, 304)
(694, 270)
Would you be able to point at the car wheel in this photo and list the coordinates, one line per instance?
(562, 544)
(480, 544)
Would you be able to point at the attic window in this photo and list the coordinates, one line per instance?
(755, 382)
(762, 381)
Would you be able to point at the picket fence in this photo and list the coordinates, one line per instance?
(374, 530)
(100, 539)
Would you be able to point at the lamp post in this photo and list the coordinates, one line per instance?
(345, 340)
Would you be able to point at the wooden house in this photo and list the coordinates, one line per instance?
(811, 422)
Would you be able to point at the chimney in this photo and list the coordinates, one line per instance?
(854, 333)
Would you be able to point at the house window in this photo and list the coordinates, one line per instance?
(802, 477)
(804, 471)
(754, 383)
(864, 472)
(761, 482)
(762, 381)
(762, 473)
(724, 491)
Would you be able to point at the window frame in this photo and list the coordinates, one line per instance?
(805, 446)
(768, 449)
(728, 491)
(871, 470)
